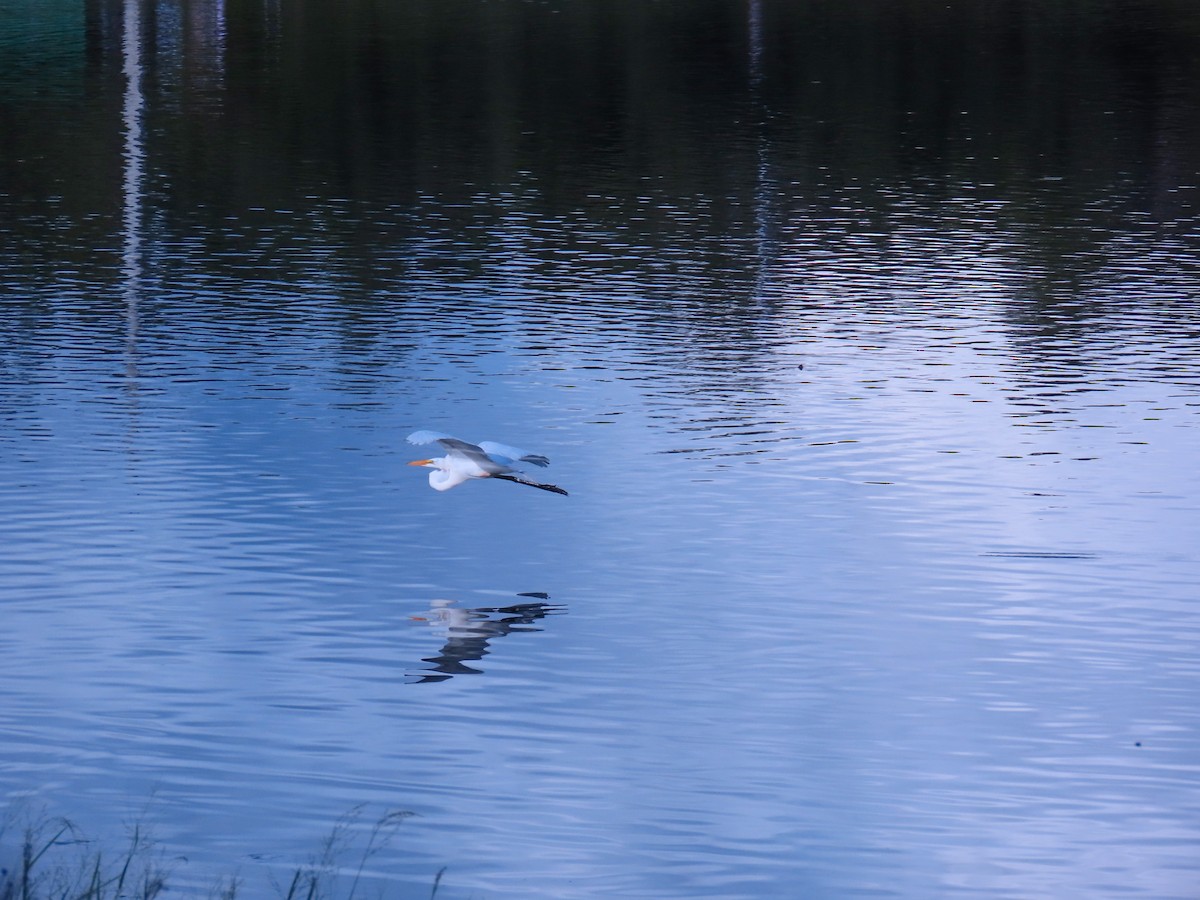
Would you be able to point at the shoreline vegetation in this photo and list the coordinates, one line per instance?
(52, 859)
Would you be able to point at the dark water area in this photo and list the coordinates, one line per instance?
(865, 338)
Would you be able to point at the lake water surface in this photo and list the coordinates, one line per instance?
(866, 342)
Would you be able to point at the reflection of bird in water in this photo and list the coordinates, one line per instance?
(468, 632)
(487, 459)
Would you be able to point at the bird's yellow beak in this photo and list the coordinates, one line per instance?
(420, 462)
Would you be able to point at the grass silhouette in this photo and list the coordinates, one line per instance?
(54, 861)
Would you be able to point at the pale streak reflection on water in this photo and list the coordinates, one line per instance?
(873, 583)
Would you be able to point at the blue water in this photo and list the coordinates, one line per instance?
(877, 576)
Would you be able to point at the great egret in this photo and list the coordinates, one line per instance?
(487, 459)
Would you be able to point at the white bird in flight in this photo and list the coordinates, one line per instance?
(487, 459)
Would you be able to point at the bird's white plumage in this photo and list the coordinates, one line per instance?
(464, 461)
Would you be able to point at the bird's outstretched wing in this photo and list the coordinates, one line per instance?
(426, 437)
(501, 454)
(507, 455)
(464, 450)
